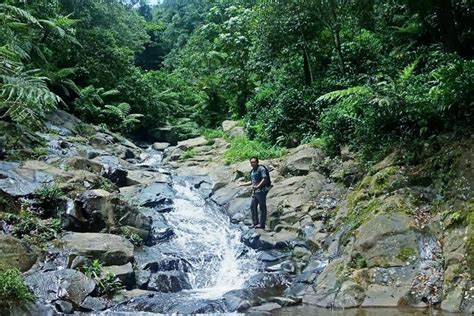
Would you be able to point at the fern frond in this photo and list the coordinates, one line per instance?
(339, 94)
(407, 72)
(19, 13)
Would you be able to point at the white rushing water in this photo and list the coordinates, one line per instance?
(205, 237)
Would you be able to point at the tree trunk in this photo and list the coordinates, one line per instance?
(337, 44)
(449, 34)
(308, 73)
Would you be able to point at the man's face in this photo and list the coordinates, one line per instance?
(253, 163)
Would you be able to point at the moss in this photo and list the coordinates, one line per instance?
(358, 262)
(405, 253)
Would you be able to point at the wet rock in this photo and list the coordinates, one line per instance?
(15, 253)
(112, 169)
(69, 285)
(153, 195)
(94, 304)
(78, 163)
(145, 177)
(263, 309)
(124, 273)
(239, 300)
(108, 248)
(285, 301)
(267, 284)
(169, 281)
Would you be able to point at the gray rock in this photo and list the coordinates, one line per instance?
(67, 284)
(323, 292)
(108, 248)
(124, 273)
(169, 281)
(160, 146)
(18, 181)
(386, 240)
(94, 304)
(112, 169)
(15, 253)
(64, 306)
(302, 160)
(385, 296)
(263, 309)
(350, 295)
(191, 143)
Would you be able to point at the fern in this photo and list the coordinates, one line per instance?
(340, 94)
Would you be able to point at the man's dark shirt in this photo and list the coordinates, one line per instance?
(257, 175)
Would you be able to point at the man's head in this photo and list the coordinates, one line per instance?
(254, 162)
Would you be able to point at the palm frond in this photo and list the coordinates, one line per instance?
(18, 13)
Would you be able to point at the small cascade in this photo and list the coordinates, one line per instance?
(205, 237)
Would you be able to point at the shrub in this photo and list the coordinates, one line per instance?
(242, 148)
(13, 290)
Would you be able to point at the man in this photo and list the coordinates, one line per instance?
(259, 180)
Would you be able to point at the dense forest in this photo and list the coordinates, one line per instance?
(364, 73)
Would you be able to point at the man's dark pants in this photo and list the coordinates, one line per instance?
(259, 200)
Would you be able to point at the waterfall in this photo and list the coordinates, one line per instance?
(205, 237)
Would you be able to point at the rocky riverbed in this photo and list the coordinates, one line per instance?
(169, 232)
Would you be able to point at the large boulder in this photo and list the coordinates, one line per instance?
(68, 285)
(302, 160)
(15, 253)
(387, 240)
(17, 181)
(96, 210)
(108, 248)
(191, 143)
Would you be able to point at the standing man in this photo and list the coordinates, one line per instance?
(260, 185)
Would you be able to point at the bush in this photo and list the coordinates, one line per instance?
(13, 290)
(242, 148)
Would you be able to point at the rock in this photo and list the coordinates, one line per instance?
(64, 306)
(227, 125)
(349, 295)
(153, 195)
(191, 143)
(238, 300)
(15, 253)
(164, 134)
(387, 240)
(263, 309)
(67, 284)
(94, 304)
(83, 164)
(302, 160)
(124, 273)
(323, 292)
(126, 153)
(267, 284)
(284, 301)
(160, 146)
(169, 281)
(16, 181)
(108, 248)
(384, 296)
(113, 170)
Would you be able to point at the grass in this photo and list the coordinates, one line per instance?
(209, 133)
(189, 153)
(242, 148)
